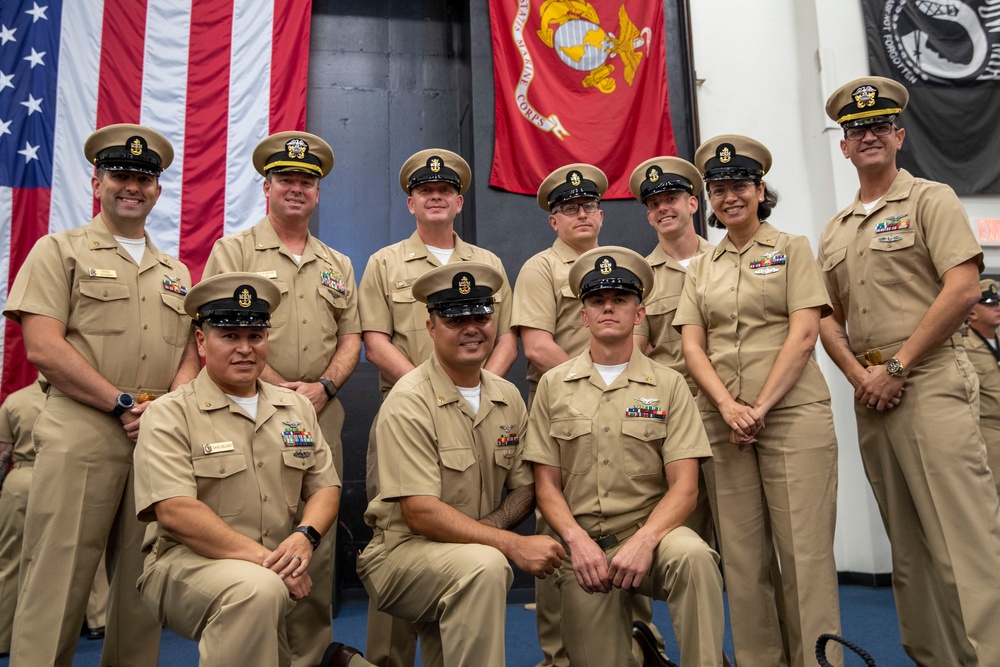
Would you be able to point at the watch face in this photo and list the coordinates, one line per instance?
(894, 367)
(126, 400)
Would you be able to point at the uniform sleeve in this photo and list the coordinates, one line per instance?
(6, 428)
(373, 298)
(540, 446)
(44, 284)
(348, 320)
(408, 462)
(162, 460)
(534, 301)
(686, 438)
(689, 309)
(827, 264)
(520, 472)
(805, 288)
(505, 297)
(226, 257)
(945, 226)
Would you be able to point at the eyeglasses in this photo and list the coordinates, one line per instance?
(738, 188)
(573, 209)
(858, 133)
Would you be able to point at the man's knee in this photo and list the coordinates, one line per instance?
(484, 568)
(685, 552)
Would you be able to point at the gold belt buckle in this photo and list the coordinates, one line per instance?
(873, 357)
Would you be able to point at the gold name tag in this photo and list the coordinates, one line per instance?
(268, 274)
(215, 447)
(103, 273)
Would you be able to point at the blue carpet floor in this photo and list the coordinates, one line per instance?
(868, 618)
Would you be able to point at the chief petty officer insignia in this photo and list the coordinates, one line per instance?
(295, 436)
(334, 281)
(173, 284)
(893, 223)
(508, 438)
(648, 410)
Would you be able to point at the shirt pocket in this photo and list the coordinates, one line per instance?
(174, 321)
(222, 481)
(575, 440)
(331, 305)
(103, 307)
(458, 477)
(280, 314)
(504, 456)
(893, 261)
(834, 263)
(641, 443)
(662, 311)
(296, 463)
(408, 314)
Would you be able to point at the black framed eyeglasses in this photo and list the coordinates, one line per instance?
(573, 209)
(858, 133)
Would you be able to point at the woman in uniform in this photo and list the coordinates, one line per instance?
(749, 318)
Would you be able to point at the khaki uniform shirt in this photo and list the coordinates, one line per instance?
(430, 443)
(543, 300)
(127, 321)
(318, 297)
(988, 370)
(195, 442)
(17, 418)
(885, 268)
(387, 304)
(612, 442)
(661, 306)
(742, 299)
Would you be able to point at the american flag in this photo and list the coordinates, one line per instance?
(214, 76)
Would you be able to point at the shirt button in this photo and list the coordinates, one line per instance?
(305, 348)
(607, 399)
(143, 357)
(861, 282)
(145, 326)
(732, 289)
(607, 461)
(606, 494)
(732, 317)
(861, 253)
(266, 533)
(305, 321)
(222, 470)
(143, 298)
(302, 296)
(864, 310)
(607, 428)
(260, 464)
(265, 499)
(105, 292)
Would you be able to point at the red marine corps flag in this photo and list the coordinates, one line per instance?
(578, 81)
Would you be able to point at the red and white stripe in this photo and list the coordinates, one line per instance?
(214, 76)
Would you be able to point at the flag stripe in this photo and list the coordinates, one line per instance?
(208, 108)
(164, 107)
(289, 75)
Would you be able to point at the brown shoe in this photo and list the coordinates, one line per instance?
(651, 656)
(338, 655)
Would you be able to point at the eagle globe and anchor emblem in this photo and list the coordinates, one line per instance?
(573, 30)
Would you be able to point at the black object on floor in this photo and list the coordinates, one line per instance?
(821, 650)
(651, 656)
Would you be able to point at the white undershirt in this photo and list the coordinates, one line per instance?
(134, 247)
(685, 262)
(870, 205)
(443, 254)
(298, 258)
(471, 395)
(248, 404)
(610, 373)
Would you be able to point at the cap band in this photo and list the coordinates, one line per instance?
(868, 114)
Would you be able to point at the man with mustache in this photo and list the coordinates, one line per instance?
(315, 341)
(392, 320)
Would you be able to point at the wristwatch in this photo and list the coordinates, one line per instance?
(311, 534)
(123, 403)
(895, 368)
(329, 387)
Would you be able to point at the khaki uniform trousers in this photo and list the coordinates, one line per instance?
(13, 503)
(310, 622)
(82, 499)
(927, 466)
(454, 594)
(597, 628)
(780, 494)
(234, 609)
(990, 428)
(392, 642)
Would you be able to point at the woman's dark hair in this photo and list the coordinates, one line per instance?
(763, 209)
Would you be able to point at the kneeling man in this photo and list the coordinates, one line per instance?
(616, 441)
(221, 464)
(449, 442)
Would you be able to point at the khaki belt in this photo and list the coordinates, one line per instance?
(881, 355)
(614, 539)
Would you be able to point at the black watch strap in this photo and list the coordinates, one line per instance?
(122, 403)
(311, 534)
(329, 387)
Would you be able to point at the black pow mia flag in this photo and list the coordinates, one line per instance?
(947, 54)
